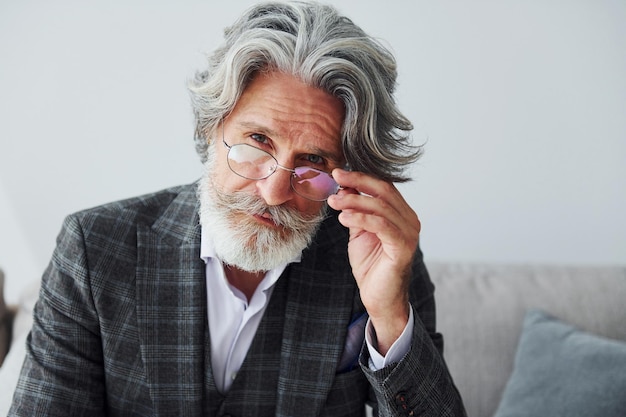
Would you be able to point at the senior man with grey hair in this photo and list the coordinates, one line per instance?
(287, 282)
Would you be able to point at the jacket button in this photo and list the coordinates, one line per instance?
(401, 400)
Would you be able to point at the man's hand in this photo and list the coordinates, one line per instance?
(384, 234)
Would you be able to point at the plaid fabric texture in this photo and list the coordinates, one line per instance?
(120, 328)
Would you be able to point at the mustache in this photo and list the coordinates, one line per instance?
(284, 216)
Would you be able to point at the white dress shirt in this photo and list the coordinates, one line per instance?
(233, 320)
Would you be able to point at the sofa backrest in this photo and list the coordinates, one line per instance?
(480, 309)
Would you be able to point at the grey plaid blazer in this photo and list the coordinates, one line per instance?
(120, 328)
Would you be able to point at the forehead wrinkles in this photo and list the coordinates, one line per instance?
(304, 107)
(315, 126)
(283, 107)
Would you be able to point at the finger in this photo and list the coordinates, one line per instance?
(364, 184)
(387, 230)
(358, 203)
(393, 208)
(369, 186)
(390, 230)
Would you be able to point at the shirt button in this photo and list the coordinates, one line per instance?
(233, 376)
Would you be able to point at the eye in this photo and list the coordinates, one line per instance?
(311, 159)
(259, 138)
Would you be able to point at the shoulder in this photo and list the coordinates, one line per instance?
(100, 245)
(147, 205)
(111, 229)
(145, 209)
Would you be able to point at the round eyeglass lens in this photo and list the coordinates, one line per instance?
(313, 184)
(251, 162)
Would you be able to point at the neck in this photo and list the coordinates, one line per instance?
(246, 282)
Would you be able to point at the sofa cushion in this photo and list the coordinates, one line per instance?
(481, 308)
(560, 370)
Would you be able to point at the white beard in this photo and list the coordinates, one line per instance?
(240, 240)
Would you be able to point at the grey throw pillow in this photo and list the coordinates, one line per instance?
(560, 370)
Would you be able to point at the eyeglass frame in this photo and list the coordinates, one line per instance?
(275, 167)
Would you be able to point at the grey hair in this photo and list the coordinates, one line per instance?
(314, 43)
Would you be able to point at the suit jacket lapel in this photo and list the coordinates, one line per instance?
(171, 307)
(171, 315)
(318, 309)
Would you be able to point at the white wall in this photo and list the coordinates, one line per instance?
(523, 104)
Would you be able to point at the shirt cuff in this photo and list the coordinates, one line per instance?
(398, 349)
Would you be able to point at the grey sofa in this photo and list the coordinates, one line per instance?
(481, 309)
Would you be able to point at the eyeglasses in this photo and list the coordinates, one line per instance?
(253, 163)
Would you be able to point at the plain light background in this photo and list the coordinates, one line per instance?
(521, 105)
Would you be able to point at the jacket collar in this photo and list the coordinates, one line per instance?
(172, 314)
(171, 307)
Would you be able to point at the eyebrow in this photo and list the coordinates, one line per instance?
(258, 128)
(333, 157)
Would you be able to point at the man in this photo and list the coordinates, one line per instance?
(287, 282)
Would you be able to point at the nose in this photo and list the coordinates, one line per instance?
(276, 189)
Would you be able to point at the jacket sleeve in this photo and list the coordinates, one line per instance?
(420, 384)
(62, 373)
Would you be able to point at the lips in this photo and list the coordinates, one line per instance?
(265, 218)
